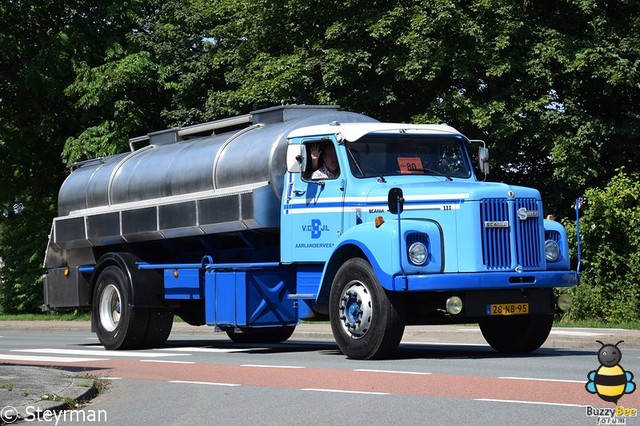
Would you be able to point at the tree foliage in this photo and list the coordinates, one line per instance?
(553, 86)
(39, 44)
(610, 229)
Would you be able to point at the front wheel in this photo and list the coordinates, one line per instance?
(366, 320)
(516, 334)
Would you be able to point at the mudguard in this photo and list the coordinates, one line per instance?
(146, 286)
(380, 247)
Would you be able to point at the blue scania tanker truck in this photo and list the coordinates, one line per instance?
(224, 224)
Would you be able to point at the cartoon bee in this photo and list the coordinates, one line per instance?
(610, 381)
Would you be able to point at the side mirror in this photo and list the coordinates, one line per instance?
(294, 158)
(483, 156)
(483, 159)
(395, 200)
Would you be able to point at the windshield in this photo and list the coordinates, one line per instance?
(408, 154)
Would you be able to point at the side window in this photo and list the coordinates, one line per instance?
(320, 161)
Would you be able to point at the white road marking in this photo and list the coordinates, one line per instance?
(7, 357)
(270, 366)
(444, 344)
(188, 382)
(117, 354)
(210, 350)
(165, 361)
(344, 391)
(542, 380)
(391, 371)
(529, 402)
(577, 333)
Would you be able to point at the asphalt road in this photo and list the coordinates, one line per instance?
(440, 375)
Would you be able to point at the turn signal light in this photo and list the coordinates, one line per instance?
(379, 221)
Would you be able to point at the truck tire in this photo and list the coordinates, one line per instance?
(117, 324)
(366, 320)
(261, 335)
(516, 334)
(158, 327)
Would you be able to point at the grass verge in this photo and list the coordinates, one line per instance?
(47, 316)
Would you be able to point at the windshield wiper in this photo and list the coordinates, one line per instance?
(438, 173)
(355, 162)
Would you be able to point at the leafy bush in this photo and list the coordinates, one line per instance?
(610, 230)
(23, 238)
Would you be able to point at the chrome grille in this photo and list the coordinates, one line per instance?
(528, 238)
(505, 237)
(496, 252)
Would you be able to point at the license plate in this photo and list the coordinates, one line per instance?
(508, 309)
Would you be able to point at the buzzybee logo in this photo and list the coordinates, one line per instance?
(610, 381)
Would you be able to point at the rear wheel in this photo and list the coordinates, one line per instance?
(118, 325)
(516, 334)
(366, 320)
(261, 335)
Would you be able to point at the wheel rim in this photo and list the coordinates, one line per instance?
(355, 309)
(110, 307)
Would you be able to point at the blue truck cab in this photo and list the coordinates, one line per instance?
(254, 223)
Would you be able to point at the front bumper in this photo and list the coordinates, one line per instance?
(486, 281)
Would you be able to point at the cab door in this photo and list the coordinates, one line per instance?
(313, 211)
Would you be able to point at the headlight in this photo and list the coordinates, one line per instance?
(551, 250)
(417, 253)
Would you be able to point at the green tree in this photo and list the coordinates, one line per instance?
(610, 229)
(550, 85)
(159, 76)
(39, 44)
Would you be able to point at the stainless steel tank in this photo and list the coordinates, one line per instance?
(222, 176)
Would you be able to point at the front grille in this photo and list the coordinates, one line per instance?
(415, 237)
(505, 237)
(552, 235)
(496, 251)
(528, 238)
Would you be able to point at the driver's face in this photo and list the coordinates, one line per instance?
(331, 159)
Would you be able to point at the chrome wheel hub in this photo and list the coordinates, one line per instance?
(355, 309)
